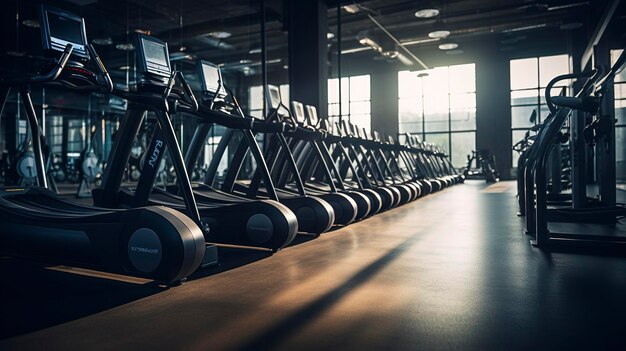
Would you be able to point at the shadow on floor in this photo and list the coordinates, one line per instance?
(291, 324)
(34, 297)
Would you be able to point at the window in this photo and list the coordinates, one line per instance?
(529, 77)
(355, 100)
(440, 107)
(620, 115)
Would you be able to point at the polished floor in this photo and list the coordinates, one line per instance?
(449, 271)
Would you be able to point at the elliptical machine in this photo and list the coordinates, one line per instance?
(149, 242)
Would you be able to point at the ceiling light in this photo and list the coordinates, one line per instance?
(255, 51)
(102, 41)
(448, 46)
(570, 26)
(285, 67)
(439, 34)
(124, 68)
(125, 47)
(371, 43)
(142, 31)
(31, 23)
(354, 8)
(392, 54)
(330, 35)
(219, 34)
(427, 13)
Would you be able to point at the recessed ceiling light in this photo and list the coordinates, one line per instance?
(439, 34)
(142, 31)
(330, 35)
(219, 34)
(448, 46)
(124, 68)
(570, 26)
(455, 52)
(31, 23)
(427, 13)
(354, 8)
(125, 47)
(102, 41)
(255, 51)
(285, 67)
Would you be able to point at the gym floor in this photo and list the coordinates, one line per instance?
(449, 271)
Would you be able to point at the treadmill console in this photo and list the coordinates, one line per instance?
(298, 111)
(83, 71)
(153, 61)
(311, 113)
(273, 97)
(59, 28)
(211, 81)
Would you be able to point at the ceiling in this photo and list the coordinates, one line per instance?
(191, 26)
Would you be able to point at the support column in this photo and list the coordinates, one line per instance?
(308, 53)
(384, 102)
(493, 107)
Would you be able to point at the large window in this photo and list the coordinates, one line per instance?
(529, 77)
(440, 106)
(355, 100)
(620, 115)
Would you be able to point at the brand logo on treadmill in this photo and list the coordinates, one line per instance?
(144, 250)
(155, 154)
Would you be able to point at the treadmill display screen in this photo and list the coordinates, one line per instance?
(65, 28)
(312, 114)
(274, 95)
(155, 53)
(211, 77)
(298, 111)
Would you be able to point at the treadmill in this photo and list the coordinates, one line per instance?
(314, 168)
(351, 170)
(325, 134)
(368, 174)
(287, 168)
(149, 242)
(253, 224)
(314, 215)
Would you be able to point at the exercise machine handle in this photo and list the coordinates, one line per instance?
(188, 97)
(101, 68)
(591, 75)
(589, 104)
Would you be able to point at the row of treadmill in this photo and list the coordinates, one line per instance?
(559, 213)
(310, 175)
